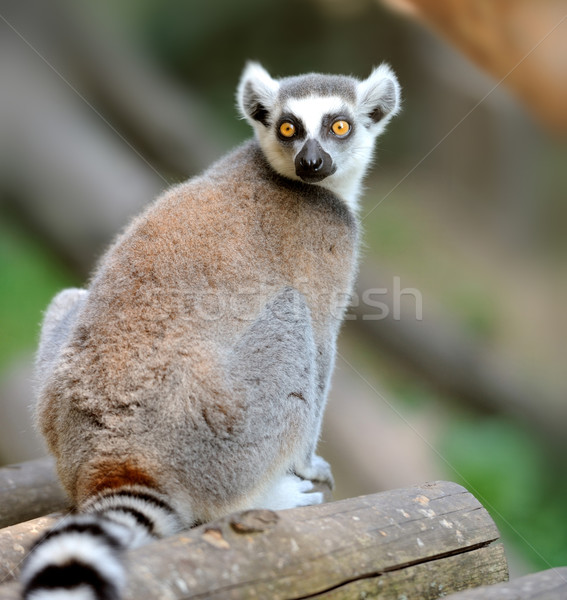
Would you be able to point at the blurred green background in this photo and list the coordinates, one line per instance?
(105, 104)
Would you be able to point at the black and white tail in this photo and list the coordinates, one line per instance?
(83, 557)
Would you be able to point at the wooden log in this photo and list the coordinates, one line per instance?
(29, 490)
(17, 539)
(424, 542)
(547, 585)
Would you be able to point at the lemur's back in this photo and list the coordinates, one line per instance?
(190, 379)
(150, 347)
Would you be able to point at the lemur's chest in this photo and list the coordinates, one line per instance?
(311, 245)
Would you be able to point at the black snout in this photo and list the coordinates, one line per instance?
(312, 163)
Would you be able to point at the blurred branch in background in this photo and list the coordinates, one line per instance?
(520, 42)
(90, 178)
(462, 367)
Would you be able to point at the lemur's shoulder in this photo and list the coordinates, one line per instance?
(245, 179)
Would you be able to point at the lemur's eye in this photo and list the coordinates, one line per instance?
(340, 128)
(287, 129)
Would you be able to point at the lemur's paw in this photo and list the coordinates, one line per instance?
(319, 470)
(289, 491)
(308, 497)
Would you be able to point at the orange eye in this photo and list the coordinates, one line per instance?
(287, 129)
(340, 128)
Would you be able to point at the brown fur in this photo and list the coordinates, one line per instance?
(110, 474)
(147, 364)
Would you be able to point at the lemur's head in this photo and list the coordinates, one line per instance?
(319, 128)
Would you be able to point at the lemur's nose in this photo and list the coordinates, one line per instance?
(310, 158)
(313, 164)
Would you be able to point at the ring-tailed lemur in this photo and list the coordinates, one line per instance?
(190, 379)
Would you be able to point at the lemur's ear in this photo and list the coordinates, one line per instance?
(379, 96)
(256, 93)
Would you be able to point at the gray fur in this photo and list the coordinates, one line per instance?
(317, 84)
(57, 325)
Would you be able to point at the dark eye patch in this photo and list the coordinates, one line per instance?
(299, 128)
(328, 120)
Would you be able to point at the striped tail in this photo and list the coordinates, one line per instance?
(83, 557)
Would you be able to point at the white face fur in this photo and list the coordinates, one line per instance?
(319, 129)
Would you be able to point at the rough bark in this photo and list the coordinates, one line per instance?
(16, 540)
(423, 541)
